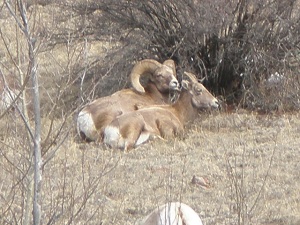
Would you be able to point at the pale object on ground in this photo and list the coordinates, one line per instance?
(173, 213)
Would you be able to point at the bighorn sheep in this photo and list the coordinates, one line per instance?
(134, 128)
(94, 117)
(173, 213)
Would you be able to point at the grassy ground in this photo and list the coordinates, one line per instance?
(251, 162)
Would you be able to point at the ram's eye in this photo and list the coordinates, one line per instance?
(198, 91)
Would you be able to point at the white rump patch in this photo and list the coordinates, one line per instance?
(85, 124)
(113, 138)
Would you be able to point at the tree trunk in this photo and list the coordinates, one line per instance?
(22, 22)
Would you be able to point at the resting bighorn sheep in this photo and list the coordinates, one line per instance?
(94, 117)
(134, 128)
(173, 213)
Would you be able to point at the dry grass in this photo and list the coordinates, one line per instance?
(251, 162)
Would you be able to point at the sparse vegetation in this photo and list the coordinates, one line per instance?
(247, 49)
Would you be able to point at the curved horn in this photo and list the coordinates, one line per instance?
(170, 63)
(142, 67)
(192, 77)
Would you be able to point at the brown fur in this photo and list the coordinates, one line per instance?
(157, 91)
(164, 120)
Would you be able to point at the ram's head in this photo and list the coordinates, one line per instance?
(163, 76)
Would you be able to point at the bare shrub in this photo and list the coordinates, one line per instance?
(29, 146)
(237, 45)
(246, 202)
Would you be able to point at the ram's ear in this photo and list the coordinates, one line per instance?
(185, 84)
(201, 80)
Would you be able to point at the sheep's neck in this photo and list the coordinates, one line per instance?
(184, 108)
(154, 93)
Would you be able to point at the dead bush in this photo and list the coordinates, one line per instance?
(236, 44)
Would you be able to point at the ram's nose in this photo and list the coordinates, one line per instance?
(174, 85)
(216, 104)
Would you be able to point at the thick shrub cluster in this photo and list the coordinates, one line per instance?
(247, 49)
